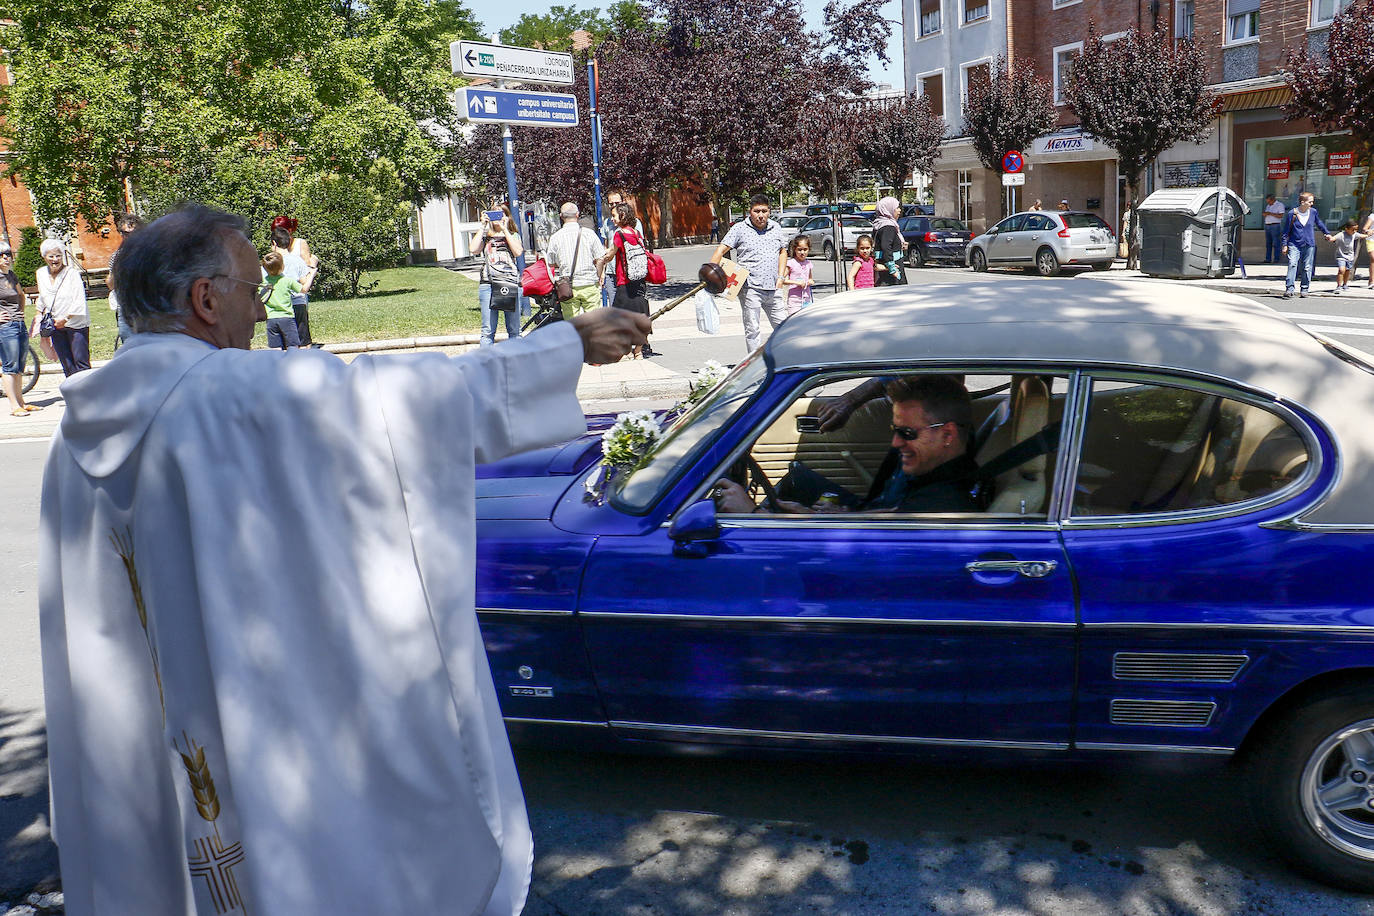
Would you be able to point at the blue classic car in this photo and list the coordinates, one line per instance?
(1167, 550)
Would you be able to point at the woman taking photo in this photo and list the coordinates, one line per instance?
(498, 244)
(62, 297)
(14, 336)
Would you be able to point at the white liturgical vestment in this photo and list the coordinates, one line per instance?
(266, 688)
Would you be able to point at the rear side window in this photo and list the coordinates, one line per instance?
(952, 225)
(1039, 223)
(862, 222)
(1083, 221)
(1151, 448)
(913, 224)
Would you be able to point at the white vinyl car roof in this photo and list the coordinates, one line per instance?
(1087, 322)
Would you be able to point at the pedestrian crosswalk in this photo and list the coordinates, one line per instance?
(1333, 324)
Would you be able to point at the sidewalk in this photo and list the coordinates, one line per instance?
(1259, 280)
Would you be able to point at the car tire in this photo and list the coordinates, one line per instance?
(977, 260)
(1325, 741)
(915, 257)
(1102, 265)
(828, 251)
(1046, 264)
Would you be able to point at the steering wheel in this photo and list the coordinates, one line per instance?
(756, 476)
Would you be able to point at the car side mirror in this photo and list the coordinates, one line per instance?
(697, 522)
(692, 527)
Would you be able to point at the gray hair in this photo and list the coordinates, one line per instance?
(156, 266)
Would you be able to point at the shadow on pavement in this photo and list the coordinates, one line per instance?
(28, 858)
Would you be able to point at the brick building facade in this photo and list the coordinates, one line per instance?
(1251, 148)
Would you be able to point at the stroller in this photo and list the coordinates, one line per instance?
(537, 283)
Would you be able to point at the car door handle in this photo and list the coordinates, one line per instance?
(1031, 569)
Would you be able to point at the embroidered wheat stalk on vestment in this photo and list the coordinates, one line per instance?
(202, 784)
(124, 545)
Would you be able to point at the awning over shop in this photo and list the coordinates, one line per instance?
(1272, 97)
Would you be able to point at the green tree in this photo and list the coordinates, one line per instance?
(28, 258)
(553, 30)
(354, 225)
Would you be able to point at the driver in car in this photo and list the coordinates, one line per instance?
(932, 417)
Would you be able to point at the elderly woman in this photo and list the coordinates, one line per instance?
(14, 336)
(62, 296)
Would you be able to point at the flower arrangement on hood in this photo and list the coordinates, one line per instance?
(633, 434)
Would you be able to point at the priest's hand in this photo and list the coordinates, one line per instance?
(608, 334)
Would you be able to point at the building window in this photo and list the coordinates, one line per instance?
(1323, 11)
(930, 17)
(1063, 68)
(966, 195)
(932, 86)
(1328, 165)
(975, 11)
(975, 76)
(1242, 20)
(1185, 18)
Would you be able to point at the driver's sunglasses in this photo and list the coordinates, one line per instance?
(907, 433)
(264, 290)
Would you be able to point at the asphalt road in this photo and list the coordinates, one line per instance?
(707, 835)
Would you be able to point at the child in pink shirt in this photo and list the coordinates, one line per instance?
(796, 277)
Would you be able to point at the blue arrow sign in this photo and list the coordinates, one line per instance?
(516, 106)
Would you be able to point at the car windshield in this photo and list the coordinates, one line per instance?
(684, 440)
(1082, 221)
(791, 222)
(855, 221)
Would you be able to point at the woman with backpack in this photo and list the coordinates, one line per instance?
(627, 249)
(498, 290)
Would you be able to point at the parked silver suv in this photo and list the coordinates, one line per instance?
(1046, 240)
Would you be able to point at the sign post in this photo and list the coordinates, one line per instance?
(506, 107)
(1012, 163)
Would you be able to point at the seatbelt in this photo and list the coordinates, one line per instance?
(1042, 443)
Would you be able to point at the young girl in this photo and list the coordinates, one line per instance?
(862, 271)
(1345, 253)
(796, 276)
(629, 294)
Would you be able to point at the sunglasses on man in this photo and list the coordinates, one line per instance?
(908, 433)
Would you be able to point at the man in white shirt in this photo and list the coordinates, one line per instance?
(260, 700)
(573, 253)
(1274, 212)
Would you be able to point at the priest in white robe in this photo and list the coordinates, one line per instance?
(266, 688)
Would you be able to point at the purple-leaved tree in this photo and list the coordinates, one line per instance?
(1334, 88)
(1007, 111)
(1140, 94)
(900, 136)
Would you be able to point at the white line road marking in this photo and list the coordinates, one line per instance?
(1300, 316)
(1329, 329)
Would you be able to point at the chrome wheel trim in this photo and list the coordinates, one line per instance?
(1337, 790)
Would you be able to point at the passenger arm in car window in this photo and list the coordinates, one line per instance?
(836, 413)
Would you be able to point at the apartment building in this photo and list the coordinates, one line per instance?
(1251, 148)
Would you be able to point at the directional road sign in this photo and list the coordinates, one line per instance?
(516, 106)
(1012, 161)
(503, 62)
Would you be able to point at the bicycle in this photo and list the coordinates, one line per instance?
(33, 368)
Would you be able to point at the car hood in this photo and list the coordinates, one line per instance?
(529, 485)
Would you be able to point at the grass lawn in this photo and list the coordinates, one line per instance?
(408, 302)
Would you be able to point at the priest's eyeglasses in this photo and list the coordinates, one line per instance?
(264, 290)
(908, 433)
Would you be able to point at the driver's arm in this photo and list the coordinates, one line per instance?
(733, 499)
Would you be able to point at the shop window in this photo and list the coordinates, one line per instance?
(933, 88)
(1185, 18)
(930, 17)
(1328, 165)
(966, 195)
(975, 11)
(1242, 20)
(1063, 68)
(1323, 11)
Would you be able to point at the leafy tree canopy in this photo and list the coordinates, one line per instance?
(899, 137)
(1007, 111)
(1334, 88)
(1140, 94)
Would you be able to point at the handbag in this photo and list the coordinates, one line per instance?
(658, 271)
(563, 285)
(505, 296)
(537, 280)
